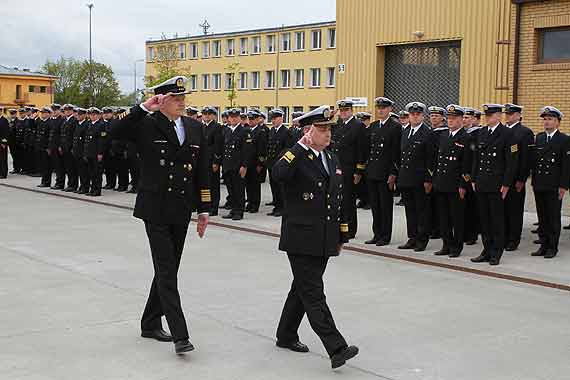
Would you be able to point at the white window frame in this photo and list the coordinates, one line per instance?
(217, 48)
(299, 74)
(243, 81)
(206, 82)
(256, 45)
(331, 38)
(230, 51)
(285, 42)
(331, 79)
(315, 73)
(270, 79)
(255, 75)
(300, 46)
(194, 50)
(181, 51)
(285, 78)
(228, 78)
(319, 32)
(206, 49)
(216, 82)
(151, 54)
(193, 82)
(270, 43)
(243, 45)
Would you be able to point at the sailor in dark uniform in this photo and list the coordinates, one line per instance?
(192, 112)
(174, 180)
(77, 150)
(215, 136)
(66, 143)
(514, 203)
(94, 149)
(494, 169)
(550, 165)
(4, 134)
(256, 172)
(362, 188)
(438, 121)
(277, 142)
(472, 222)
(313, 229)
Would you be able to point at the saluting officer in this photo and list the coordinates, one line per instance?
(215, 136)
(382, 169)
(94, 150)
(415, 176)
(256, 172)
(237, 156)
(550, 165)
(174, 181)
(349, 144)
(66, 144)
(42, 140)
(514, 203)
(472, 221)
(494, 169)
(277, 142)
(4, 134)
(313, 229)
(451, 179)
(77, 150)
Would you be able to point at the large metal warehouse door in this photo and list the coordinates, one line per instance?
(428, 73)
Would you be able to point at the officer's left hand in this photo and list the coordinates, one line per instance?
(99, 157)
(242, 171)
(202, 224)
(504, 191)
(561, 192)
(519, 185)
(357, 178)
(427, 187)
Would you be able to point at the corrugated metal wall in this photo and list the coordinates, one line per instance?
(364, 26)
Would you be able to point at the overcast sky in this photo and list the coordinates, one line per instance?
(36, 30)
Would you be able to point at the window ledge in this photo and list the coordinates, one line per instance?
(331, 86)
(314, 86)
(551, 66)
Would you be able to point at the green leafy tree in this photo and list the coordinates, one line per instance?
(165, 66)
(232, 92)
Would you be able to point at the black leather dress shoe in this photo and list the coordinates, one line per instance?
(420, 247)
(371, 241)
(270, 203)
(471, 242)
(480, 259)
(183, 346)
(237, 216)
(121, 189)
(132, 191)
(565, 227)
(540, 252)
(69, 189)
(410, 244)
(537, 241)
(160, 335)
(494, 260)
(228, 216)
(57, 187)
(339, 359)
(550, 254)
(535, 231)
(43, 185)
(295, 346)
(381, 243)
(511, 246)
(442, 252)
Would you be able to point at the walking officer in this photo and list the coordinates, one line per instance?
(494, 169)
(313, 229)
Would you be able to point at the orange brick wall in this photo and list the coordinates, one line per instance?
(541, 84)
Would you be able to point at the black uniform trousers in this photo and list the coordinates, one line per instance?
(253, 188)
(382, 205)
(514, 211)
(70, 164)
(215, 189)
(45, 167)
(17, 152)
(277, 192)
(110, 168)
(122, 166)
(492, 213)
(58, 168)
(134, 169)
(362, 190)
(415, 204)
(236, 190)
(82, 173)
(166, 246)
(472, 222)
(451, 212)
(4, 161)
(95, 169)
(307, 296)
(548, 208)
(349, 203)
(29, 160)
(432, 215)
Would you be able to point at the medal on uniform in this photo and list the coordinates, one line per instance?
(189, 167)
(162, 162)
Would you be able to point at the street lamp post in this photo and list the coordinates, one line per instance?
(135, 78)
(90, 6)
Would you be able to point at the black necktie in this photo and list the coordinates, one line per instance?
(321, 164)
(548, 138)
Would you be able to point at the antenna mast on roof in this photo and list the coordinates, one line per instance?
(205, 26)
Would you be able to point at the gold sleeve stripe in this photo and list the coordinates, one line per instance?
(343, 227)
(289, 155)
(514, 148)
(361, 166)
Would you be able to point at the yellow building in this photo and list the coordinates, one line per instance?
(24, 88)
(292, 67)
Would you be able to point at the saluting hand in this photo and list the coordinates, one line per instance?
(242, 171)
(307, 140)
(462, 193)
(202, 224)
(504, 191)
(154, 103)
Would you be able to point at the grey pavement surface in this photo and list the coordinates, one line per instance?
(75, 275)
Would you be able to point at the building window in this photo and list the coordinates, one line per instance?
(216, 81)
(285, 78)
(315, 77)
(267, 109)
(193, 82)
(229, 81)
(255, 80)
(217, 48)
(230, 47)
(299, 78)
(316, 39)
(150, 53)
(256, 45)
(181, 51)
(286, 42)
(243, 46)
(330, 77)
(270, 79)
(554, 45)
(332, 38)
(285, 110)
(270, 44)
(31, 88)
(43, 89)
(205, 81)
(206, 49)
(194, 50)
(243, 81)
(299, 40)
(298, 109)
